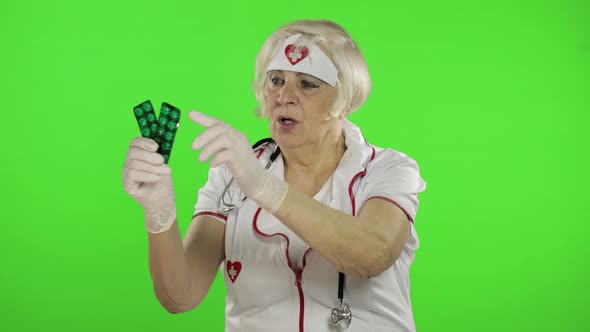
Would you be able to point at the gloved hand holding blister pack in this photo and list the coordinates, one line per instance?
(146, 175)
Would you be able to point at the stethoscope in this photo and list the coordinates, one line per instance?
(341, 315)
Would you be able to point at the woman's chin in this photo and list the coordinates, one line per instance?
(286, 141)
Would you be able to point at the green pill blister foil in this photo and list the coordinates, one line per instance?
(161, 129)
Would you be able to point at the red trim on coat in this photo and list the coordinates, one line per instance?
(298, 272)
(356, 176)
(208, 213)
(259, 232)
(298, 283)
(394, 203)
(350, 194)
(305, 256)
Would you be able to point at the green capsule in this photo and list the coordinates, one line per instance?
(162, 120)
(169, 135)
(151, 117)
(165, 110)
(147, 106)
(167, 146)
(145, 132)
(142, 122)
(174, 115)
(138, 111)
(172, 125)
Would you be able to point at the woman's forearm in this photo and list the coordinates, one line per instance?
(362, 246)
(170, 271)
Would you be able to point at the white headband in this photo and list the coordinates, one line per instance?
(311, 61)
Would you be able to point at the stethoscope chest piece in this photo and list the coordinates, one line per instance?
(342, 315)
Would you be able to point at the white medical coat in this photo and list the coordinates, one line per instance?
(266, 291)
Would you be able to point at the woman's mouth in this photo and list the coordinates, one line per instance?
(286, 123)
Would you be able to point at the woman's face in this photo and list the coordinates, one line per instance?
(298, 107)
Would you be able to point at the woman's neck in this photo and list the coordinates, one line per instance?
(310, 166)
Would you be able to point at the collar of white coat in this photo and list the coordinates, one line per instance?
(358, 152)
(353, 163)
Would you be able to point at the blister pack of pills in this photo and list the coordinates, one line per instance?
(161, 129)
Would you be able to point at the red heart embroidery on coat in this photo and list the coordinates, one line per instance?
(295, 54)
(233, 270)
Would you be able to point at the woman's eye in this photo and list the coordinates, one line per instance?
(309, 85)
(276, 80)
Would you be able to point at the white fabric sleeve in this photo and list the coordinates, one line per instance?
(394, 177)
(209, 195)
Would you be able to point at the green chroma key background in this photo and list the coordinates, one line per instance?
(492, 100)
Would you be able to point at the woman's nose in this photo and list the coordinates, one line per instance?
(287, 94)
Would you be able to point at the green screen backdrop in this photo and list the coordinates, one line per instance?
(491, 99)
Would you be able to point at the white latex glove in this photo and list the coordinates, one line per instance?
(231, 147)
(147, 179)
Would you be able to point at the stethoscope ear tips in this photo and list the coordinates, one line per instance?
(342, 315)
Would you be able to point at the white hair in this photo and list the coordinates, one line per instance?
(353, 83)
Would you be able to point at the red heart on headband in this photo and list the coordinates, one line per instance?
(295, 54)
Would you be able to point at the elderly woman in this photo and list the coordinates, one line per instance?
(314, 227)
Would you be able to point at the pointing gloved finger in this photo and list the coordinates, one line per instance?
(216, 145)
(144, 143)
(220, 158)
(153, 158)
(146, 167)
(209, 134)
(203, 119)
(141, 176)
